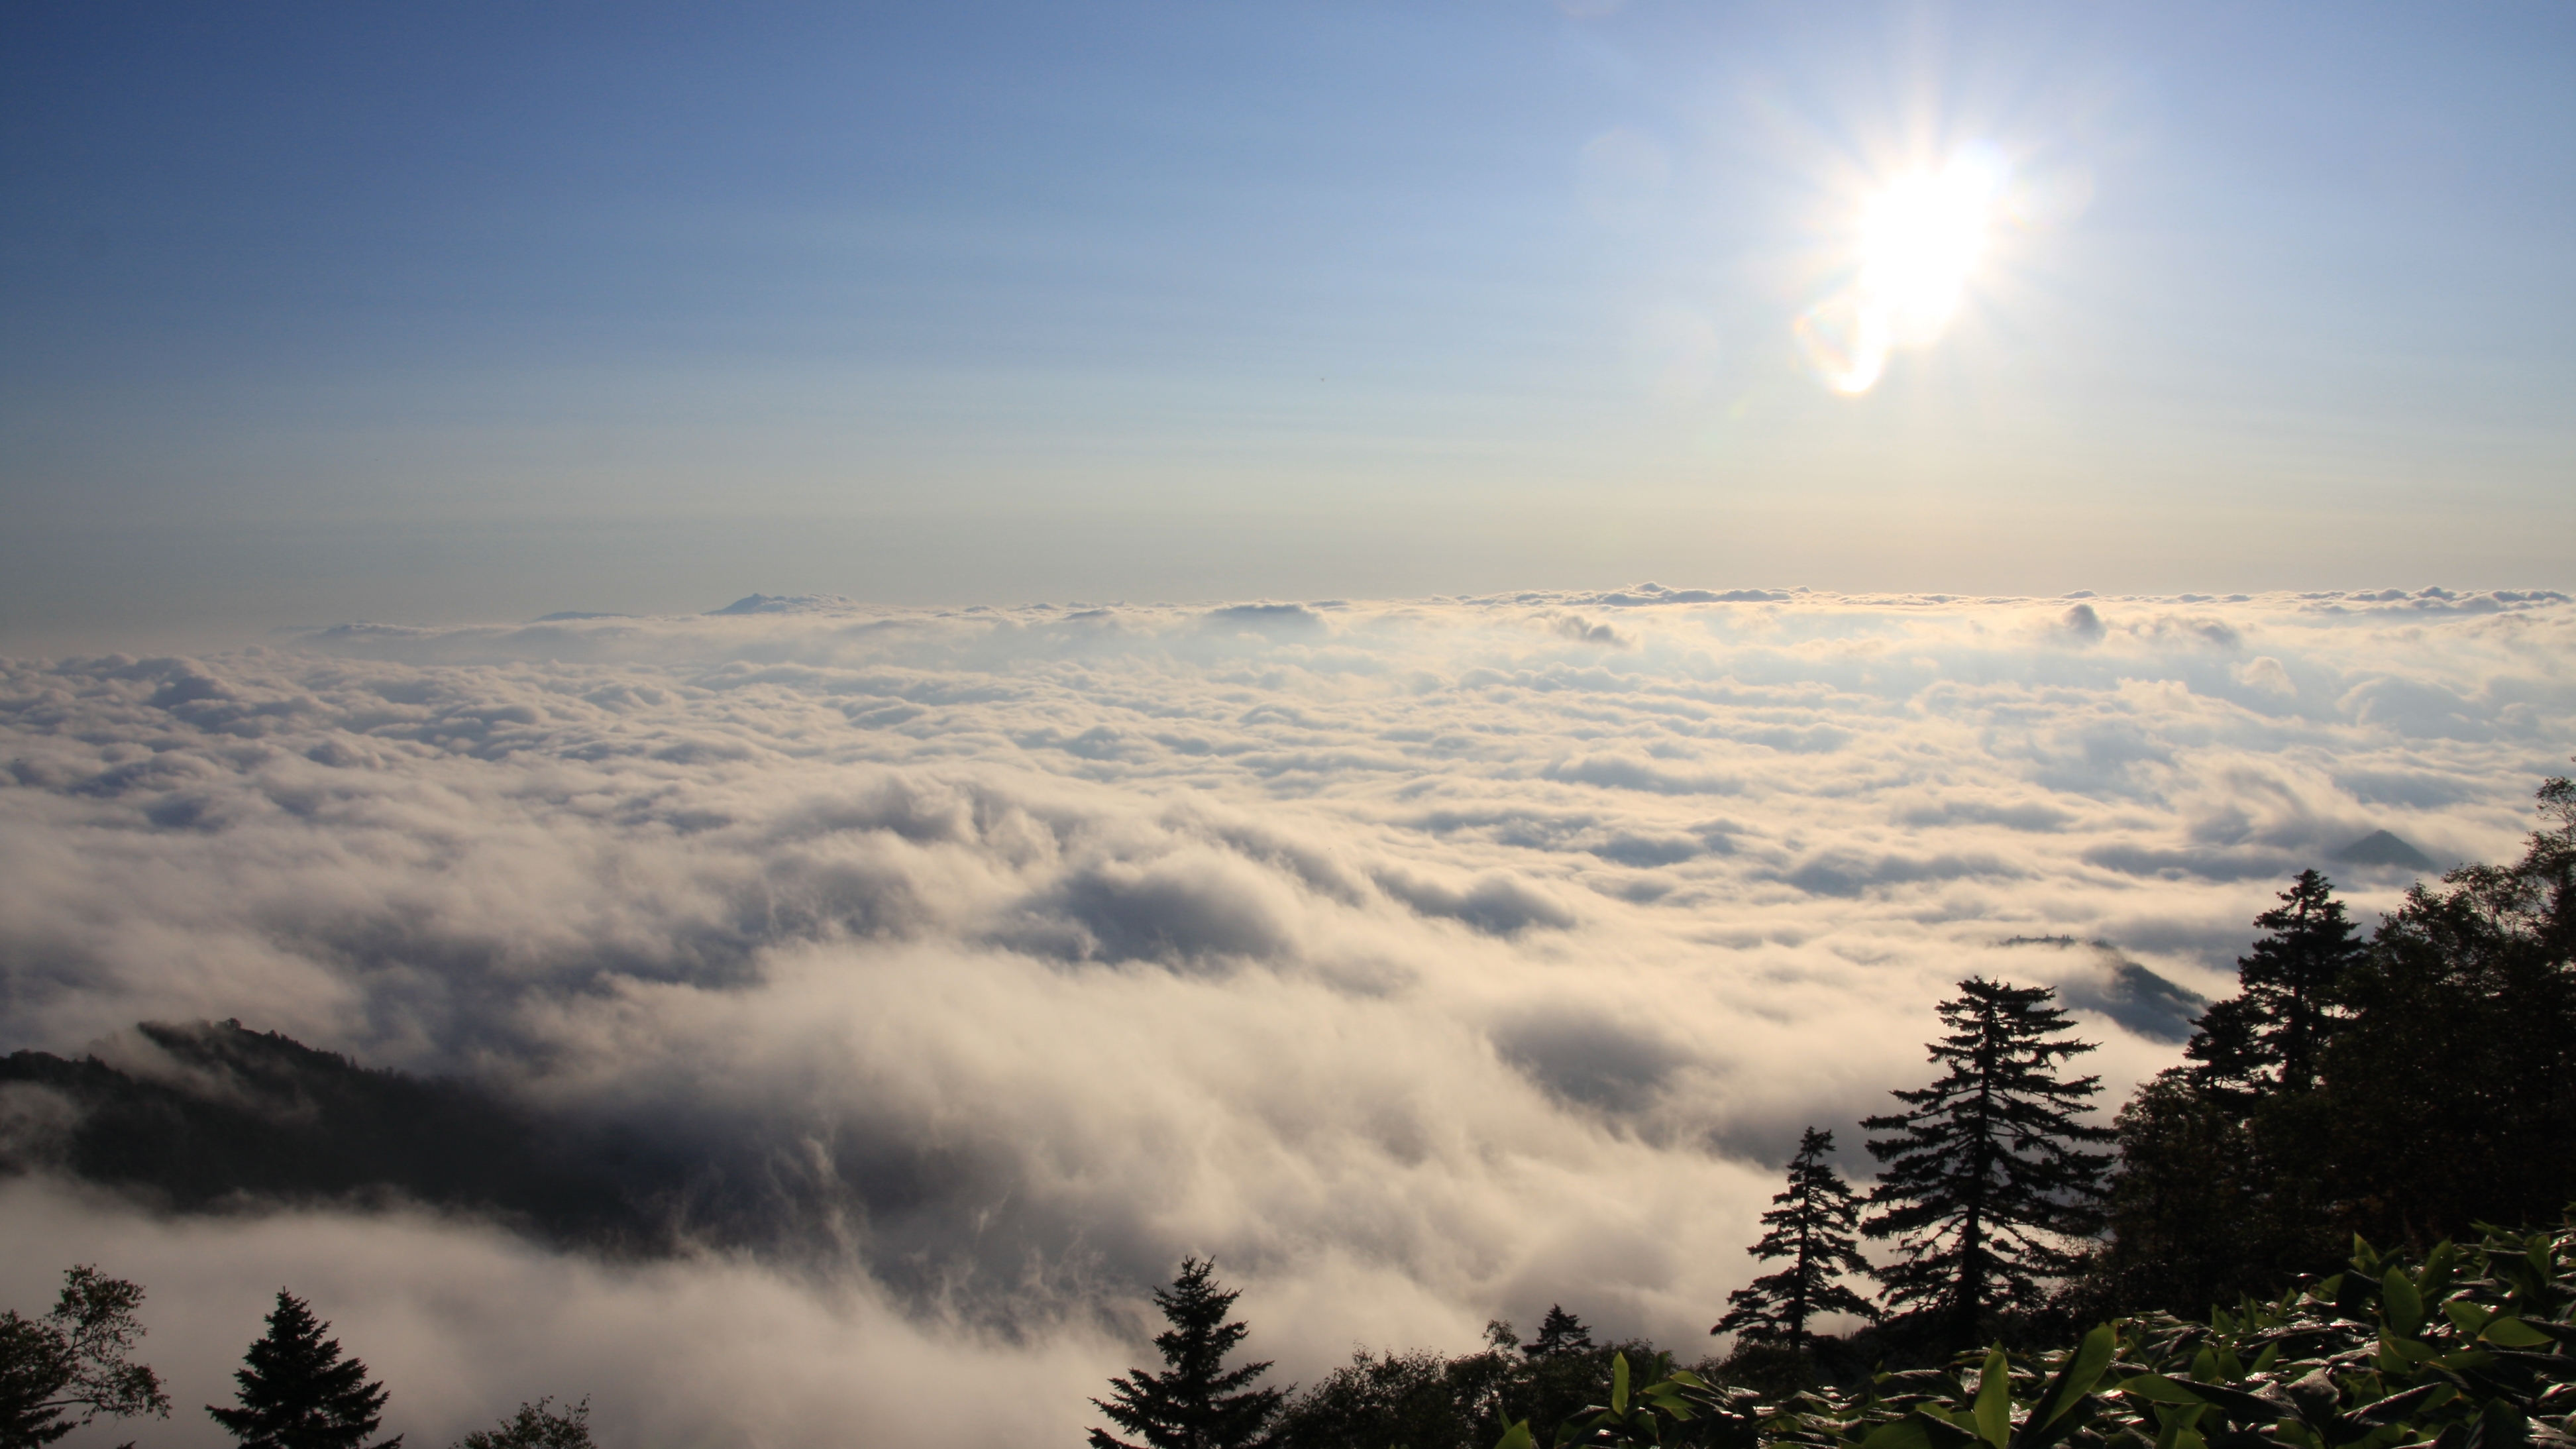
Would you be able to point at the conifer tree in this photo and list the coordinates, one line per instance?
(1197, 1403)
(1560, 1335)
(2272, 1034)
(1812, 1227)
(1983, 1174)
(297, 1392)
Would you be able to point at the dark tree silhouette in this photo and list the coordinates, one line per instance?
(2452, 1078)
(1982, 1177)
(1812, 1227)
(1560, 1335)
(61, 1371)
(2273, 1033)
(1197, 1403)
(297, 1392)
(536, 1426)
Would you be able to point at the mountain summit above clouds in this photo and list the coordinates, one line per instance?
(788, 604)
(2385, 848)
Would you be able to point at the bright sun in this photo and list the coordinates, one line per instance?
(1919, 238)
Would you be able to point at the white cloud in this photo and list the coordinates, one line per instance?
(1423, 961)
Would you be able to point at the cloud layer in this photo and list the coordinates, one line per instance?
(1422, 961)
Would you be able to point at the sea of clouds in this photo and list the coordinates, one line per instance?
(1423, 962)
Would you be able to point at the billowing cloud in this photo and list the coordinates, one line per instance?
(1424, 961)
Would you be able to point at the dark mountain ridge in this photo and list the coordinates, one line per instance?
(215, 1117)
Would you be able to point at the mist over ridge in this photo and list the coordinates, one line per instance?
(1424, 961)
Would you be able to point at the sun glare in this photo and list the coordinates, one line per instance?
(1917, 241)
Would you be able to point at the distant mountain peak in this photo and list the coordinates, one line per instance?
(785, 604)
(2381, 847)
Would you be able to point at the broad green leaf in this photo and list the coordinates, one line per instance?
(1905, 1433)
(2234, 1403)
(2082, 1370)
(1948, 1429)
(2439, 1264)
(2174, 1421)
(2400, 1305)
(2160, 1389)
(1618, 1383)
(1686, 1379)
(2469, 1318)
(1994, 1400)
(2263, 1361)
(1517, 1437)
(2400, 1355)
(2513, 1333)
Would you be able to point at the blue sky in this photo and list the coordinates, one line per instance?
(466, 311)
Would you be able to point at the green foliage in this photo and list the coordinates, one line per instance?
(67, 1368)
(2443, 1089)
(1417, 1399)
(2453, 1082)
(1420, 1400)
(1983, 1181)
(2470, 1349)
(536, 1426)
(2273, 1033)
(2216, 1194)
(1197, 1403)
(296, 1392)
(1560, 1335)
(1812, 1227)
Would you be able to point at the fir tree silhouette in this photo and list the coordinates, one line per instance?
(297, 1392)
(2273, 1033)
(1197, 1403)
(1982, 1178)
(1812, 1227)
(1560, 1335)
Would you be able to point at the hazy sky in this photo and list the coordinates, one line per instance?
(312, 312)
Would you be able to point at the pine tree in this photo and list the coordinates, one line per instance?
(1560, 1335)
(1197, 1403)
(2275, 1030)
(1982, 1178)
(1812, 1228)
(296, 1391)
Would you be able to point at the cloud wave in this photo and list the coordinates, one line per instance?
(1424, 961)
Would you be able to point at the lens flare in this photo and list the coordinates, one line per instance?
(1918, 240)
(1845, 342)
